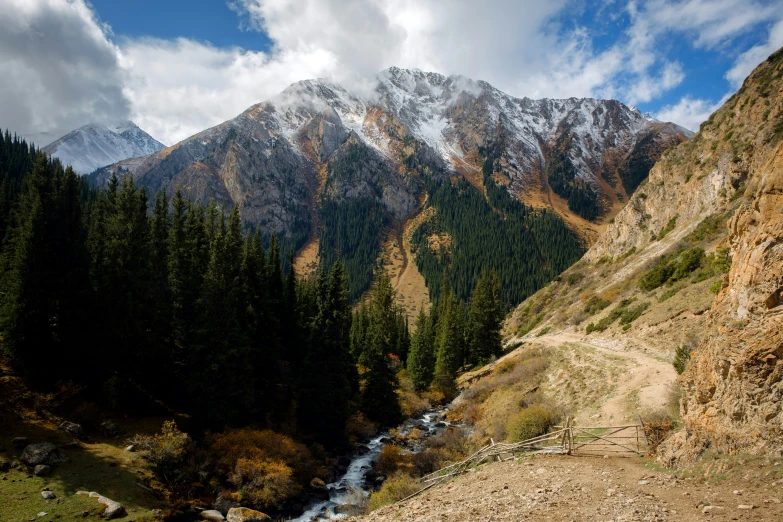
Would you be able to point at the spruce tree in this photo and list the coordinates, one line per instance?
(421, 359)
(325, 390)
(379, 399)
(449, 339)
(485, 319)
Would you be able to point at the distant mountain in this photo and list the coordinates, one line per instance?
(296, 163)
(93, 146)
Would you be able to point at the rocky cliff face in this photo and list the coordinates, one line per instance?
(733, 167)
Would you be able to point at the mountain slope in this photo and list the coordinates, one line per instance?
(318, 148)
(93, 146)
(709, 220)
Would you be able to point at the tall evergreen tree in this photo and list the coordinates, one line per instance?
(421, 359)
(379, 399)
(325, 390)
(485, 317)
(449, 339)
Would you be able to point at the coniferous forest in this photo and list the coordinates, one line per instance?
(153, 305)
(136, 299)
(526, 248)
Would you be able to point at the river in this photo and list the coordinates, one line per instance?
(349, 489)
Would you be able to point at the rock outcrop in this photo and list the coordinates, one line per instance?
(42, 453)
(113, 509)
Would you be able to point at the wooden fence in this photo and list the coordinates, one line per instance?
(568, 439)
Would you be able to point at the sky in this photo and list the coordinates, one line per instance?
(176, 67)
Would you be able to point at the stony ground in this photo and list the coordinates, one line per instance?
(561, 488)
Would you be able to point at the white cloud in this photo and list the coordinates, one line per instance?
(60, 70)
(689, 112)
(748, 60)
(72, 70)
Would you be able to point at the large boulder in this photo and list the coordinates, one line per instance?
(19, 442)
(224, 504)
(41, 470)
(211, 515)
(74, 429)
(109, 428)
(242, 514)
(113, 509)
(42, 453)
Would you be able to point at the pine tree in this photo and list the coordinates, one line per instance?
(325, 390)
(421, 359)
(223, 384)
(485, 320)
(449, 339)
(379, 399)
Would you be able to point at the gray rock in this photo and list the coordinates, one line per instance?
(242, 514)
(113, 509)
(111, 429)
(212, 515)
(43, 453)
(41, 470)
(74, 429)
(48, 494)
(223, 504)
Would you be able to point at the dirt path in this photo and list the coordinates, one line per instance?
(599, 379)
(639, 381)
(589, 489)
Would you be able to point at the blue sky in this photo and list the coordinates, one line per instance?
(177, 67)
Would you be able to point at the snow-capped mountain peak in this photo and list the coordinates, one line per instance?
(94, 145)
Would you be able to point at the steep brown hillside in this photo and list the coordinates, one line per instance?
(646, 284)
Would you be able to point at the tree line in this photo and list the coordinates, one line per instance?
(172, 305)
(175, 306)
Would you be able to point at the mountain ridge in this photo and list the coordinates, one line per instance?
(282, 160)
(95, 145)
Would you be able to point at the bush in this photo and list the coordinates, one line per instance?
(165, 451)
(658, 275)
(574, 278)
(393, 459)
(668, 228)
(530, 422)
(595, 304)
(394, 489)
(681, 358)
(716, 286)
(689, 261)
(267, 468)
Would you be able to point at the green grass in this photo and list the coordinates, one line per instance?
(100, 466)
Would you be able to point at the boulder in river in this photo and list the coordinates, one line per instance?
(212, 515)
(223, 504)
(243, 514)
(42, 453)
(344, 461)
(19, 442)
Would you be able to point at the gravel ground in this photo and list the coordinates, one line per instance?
(561, 488)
